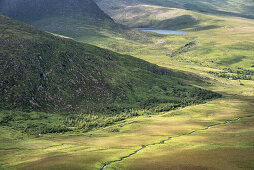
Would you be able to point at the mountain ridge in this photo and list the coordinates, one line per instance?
(27, 10)
(69, 18)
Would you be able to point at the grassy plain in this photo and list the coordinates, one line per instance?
(225, 146)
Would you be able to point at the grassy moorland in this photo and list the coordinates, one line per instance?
(143, 15)
(217, 134)
(239, 8)
(223, 43)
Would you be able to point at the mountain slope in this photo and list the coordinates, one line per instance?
(31, 11)
(43, 72)
(70, 18)
(242, 8)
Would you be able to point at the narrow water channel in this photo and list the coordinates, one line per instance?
(171, 138)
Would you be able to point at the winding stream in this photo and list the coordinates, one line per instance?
(170, 138)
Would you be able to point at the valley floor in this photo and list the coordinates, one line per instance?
(180, 139)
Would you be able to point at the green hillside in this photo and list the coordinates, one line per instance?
(184, 101)
(239, 8)
(149, 16)
(82, 20)
(218, 41)
(167, 14)
(42, 72)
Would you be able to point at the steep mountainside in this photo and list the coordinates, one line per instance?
(43, 72)
(31, 11)
(67, 17)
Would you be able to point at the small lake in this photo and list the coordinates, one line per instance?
(162, 31)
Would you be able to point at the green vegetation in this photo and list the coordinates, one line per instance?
(169, 14)
(149, 107)
(45, 73)
(34, 123)
(219, 42)
(148, 16)
(91, 150)
(240, 8)
(234, 75)
(75, 18)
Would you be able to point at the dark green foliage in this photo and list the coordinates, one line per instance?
(44, 73)
(87, 122)
(235, 74)
(33, 122)
(114, 130)
(240, 71)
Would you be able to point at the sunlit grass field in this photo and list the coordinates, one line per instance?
(229, 45)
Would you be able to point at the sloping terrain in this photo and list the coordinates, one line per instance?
(223, 42)
(149, 16)
(70, 18)
(242, 8)
(31, 11)
(43, 72)
(48, 73)
(82, 20)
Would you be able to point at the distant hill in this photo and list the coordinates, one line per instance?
(239, 8)
(43, 72)
(66, 17)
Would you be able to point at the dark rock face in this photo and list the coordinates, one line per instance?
(32, 10)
